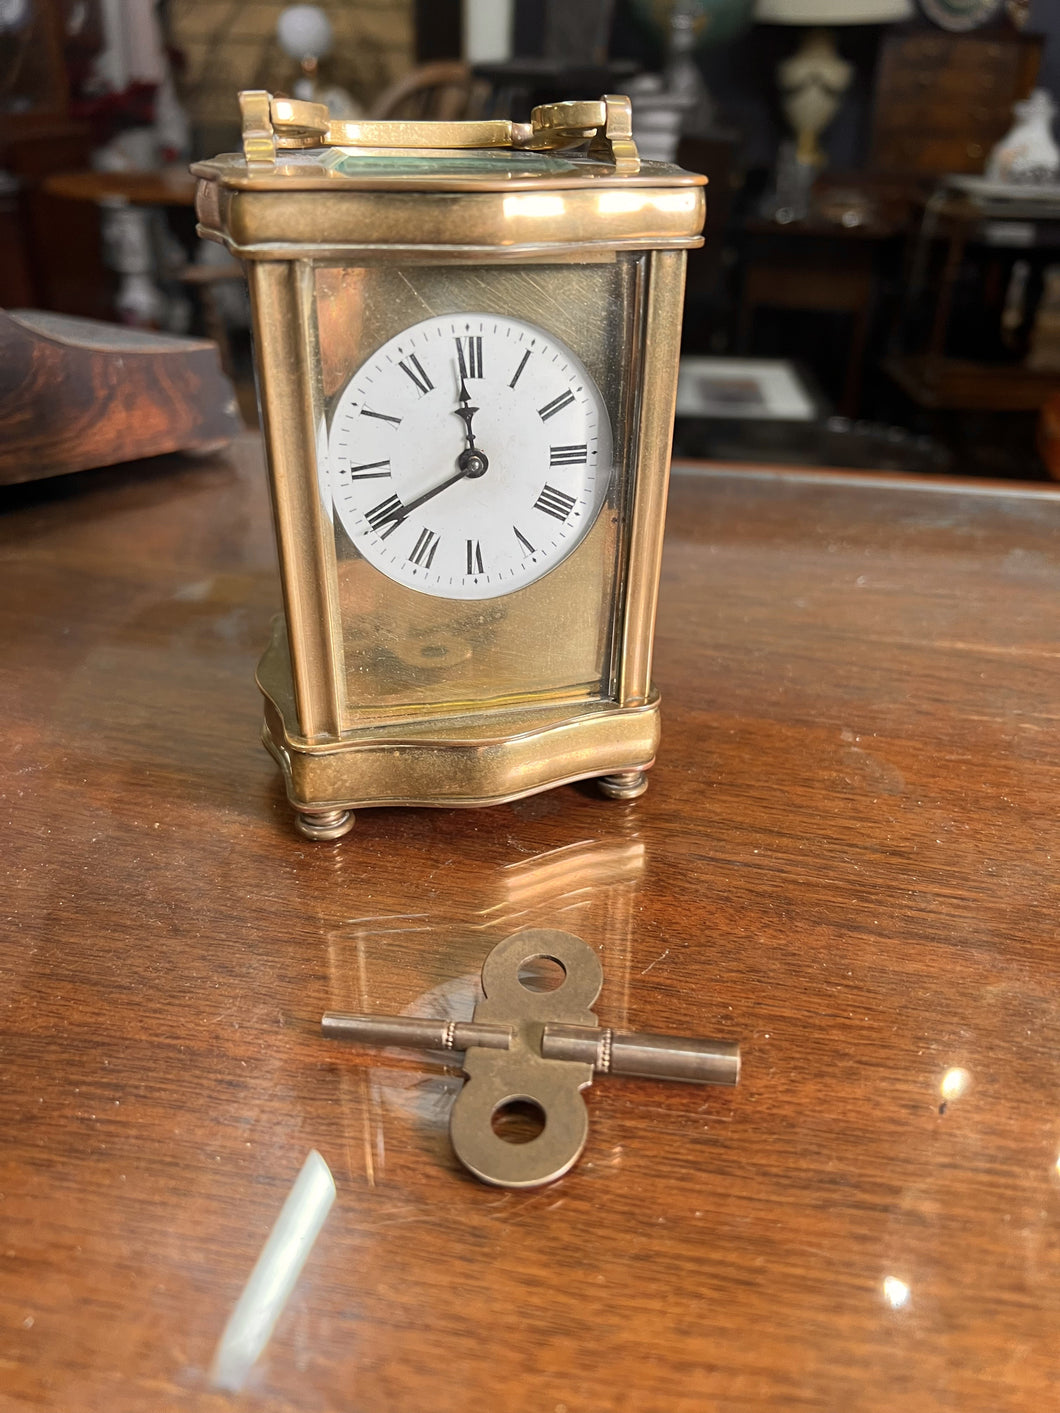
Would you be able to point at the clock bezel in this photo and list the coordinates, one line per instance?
(486, 586)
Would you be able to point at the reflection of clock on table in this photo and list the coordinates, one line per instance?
(467, 340)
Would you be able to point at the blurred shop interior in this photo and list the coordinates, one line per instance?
(880, 284)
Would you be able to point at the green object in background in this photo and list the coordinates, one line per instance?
(719, 20)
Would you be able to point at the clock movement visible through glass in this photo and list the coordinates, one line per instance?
(469, 455)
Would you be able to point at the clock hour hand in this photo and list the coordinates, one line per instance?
(471, 463)
(472, 460)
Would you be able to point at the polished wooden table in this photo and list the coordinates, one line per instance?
(847, 860)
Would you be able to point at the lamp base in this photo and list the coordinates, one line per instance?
(812, 84)
(789, 197)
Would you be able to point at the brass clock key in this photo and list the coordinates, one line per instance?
(537, 1049)
(467, 340)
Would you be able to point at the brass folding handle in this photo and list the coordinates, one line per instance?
(537, 1048)
(271, 124)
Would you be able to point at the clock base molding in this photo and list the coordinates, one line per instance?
(471, 760)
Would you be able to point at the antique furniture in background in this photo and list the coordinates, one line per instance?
(49, 256)
(835, 260)
(444, 91)
(962, 212)
(1049, 434)
(943, 100)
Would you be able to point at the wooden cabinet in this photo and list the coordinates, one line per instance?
(943, 100)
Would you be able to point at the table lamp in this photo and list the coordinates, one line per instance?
(813, 80)
(305, 34)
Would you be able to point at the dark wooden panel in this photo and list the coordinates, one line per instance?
(438, 29)
(847, 859)
(57, 241)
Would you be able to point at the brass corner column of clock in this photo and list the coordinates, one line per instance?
(466, 339)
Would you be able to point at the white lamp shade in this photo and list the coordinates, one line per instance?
(304, 32)
(832, 12)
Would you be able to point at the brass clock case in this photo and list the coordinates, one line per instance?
(341, 243)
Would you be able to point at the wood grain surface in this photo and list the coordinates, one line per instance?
(846, 860)
(78, 393)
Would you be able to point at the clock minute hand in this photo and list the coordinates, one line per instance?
(406, 509)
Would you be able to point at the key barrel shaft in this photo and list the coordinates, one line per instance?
(640, 1056)
(415, 1032)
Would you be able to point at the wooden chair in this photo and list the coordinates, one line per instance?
(445, 91)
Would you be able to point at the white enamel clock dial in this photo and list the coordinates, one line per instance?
(469, 455)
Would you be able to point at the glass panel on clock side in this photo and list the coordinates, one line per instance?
(420, 628)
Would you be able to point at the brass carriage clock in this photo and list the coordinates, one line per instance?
(467, 341)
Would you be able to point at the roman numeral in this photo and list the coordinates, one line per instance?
(553, 502)
(424, 548)
(368, 471)
(472, 366)
(520, 368)
(474, 557)
(389, 509)
(568, 455)
(367, 412)
(416, 373)
(556, 405)
(523, 540)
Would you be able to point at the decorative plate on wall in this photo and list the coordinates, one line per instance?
(959, 15)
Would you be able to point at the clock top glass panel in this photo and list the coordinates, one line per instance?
(474, 452)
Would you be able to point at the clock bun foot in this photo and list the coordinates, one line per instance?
(626, 785)
(322, 825)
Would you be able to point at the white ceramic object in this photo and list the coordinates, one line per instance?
(1028, 151)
